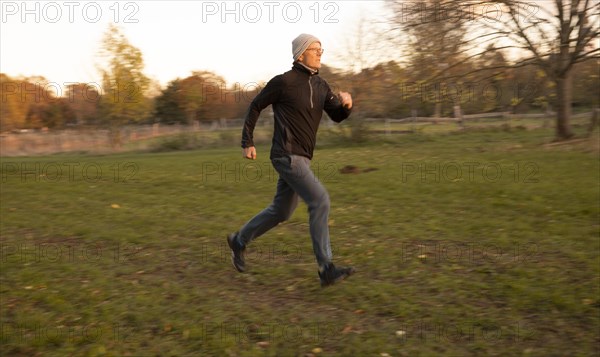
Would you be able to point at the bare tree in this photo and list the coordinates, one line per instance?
(432, 45)
(361, 52)
(554, 35)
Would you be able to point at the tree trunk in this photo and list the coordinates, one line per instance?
(191, 116)
(438, 110)
(115, 137)
(564, 93)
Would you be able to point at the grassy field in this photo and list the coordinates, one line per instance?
(475, 243)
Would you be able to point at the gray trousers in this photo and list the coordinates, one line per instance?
(295, 179)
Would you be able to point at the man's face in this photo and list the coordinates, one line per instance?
(312, 56)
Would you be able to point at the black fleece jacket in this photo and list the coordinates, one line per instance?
(298, 98)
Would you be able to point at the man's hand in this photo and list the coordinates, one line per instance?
(249, 153)
(346, 99)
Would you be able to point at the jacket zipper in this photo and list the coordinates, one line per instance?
(311, 92)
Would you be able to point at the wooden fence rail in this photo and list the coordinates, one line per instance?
(72, 140)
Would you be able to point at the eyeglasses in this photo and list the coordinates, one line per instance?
(317, 50)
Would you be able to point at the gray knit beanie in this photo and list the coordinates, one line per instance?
(301, 43)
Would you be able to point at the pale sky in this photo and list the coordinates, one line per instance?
(60, 40)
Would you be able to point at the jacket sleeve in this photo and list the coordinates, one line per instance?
(333, 107)
(267, 96)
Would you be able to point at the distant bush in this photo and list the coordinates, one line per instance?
(229, 138)
(348, 132)
(178, 142)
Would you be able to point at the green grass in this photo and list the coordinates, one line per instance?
(125, 254)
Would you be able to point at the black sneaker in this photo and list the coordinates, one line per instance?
(237, 252)
(331, 275)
